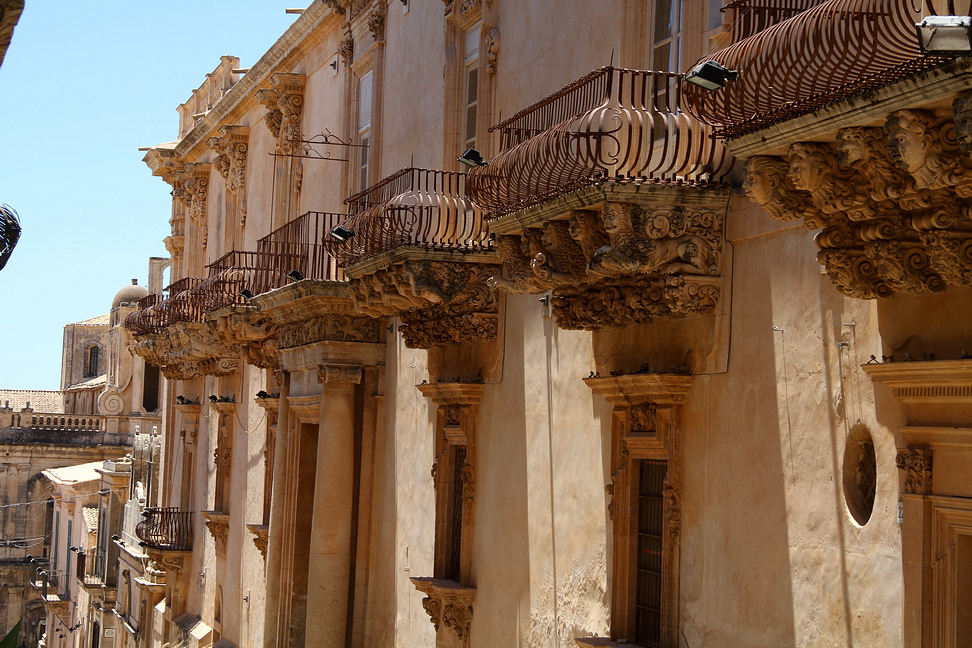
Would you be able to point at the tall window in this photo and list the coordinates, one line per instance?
(365, 94)
(666, 33)
(91, 361)
(470, 82)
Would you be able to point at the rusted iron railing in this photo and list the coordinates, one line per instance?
(157, 314)
(837, 49)
(93, 568)
(414, 207)
(613, 124)
(166, 528)
(304, 238)
(236, 271)
(750, 17)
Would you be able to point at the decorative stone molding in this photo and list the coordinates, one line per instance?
(187, 350)
(231, 147)
(333, 327)
(333, 373)
(252, 332)
(376, 25)
(891, 203)
(346, 51)
(645, 425)
(174, 561)
(492, 49)
(336, 6)
(917, 468)
(218, 524)
(191, 187)
(620, 261)
(439, 302)
(284, 101)
(261, 536)
(164, 163)
(448, 604)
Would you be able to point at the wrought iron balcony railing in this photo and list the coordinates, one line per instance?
(416, 208)
(94, 569)
(613, 124)
(158, 314)
(304, 238)
(168, 528)
(834, 50)
(753, 16)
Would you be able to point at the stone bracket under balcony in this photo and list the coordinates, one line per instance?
(246, 328)
(442, 297)
(218, 524)
(892, 200)
(616, 254)
(187, 350)
(447, 603)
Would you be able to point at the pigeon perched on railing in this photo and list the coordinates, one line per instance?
(9, 232)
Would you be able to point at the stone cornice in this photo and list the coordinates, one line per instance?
(223, 407)
(634, 389)
(305, 34)
(303, 300)
(453, 393)
(931, 382)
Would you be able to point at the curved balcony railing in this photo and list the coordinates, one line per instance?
(157, 314)
(613, 124)
(413, 207)
(837, 49)
(304, 237)
(166, 528)
(750, 17)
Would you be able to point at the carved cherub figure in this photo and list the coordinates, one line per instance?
(422, 286)
(620, 255)
(813, 168)
(767, 185)
(916, 145)
(865, 150)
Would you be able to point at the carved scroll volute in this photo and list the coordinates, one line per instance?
(284, 102)
(231, 148)
(193, 189)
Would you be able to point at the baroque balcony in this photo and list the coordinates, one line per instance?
(420, 250)
(166, 529)
(155, 314)
(859, 143)
(830, 52)
(609, 195)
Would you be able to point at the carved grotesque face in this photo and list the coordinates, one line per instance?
(613, 218)
(761, 179)
(962, 109)
(805, 172)
(579, 225)
(851, 146)
(908, 140)
(549, 237)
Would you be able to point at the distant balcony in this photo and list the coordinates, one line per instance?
(617, 125)
(155, 313)
(166, 528)
(417, 208)
(94, 569)
(750, 17)
(832, 51)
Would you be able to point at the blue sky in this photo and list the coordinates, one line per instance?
(83, 86)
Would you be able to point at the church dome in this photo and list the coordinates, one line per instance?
(129, 294)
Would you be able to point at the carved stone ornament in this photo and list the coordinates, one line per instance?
(346, 51)
(376, 25)
(447, 604)
(231, 147)
(187, 350)
(892, 204)
(284, 102)
(917, 467)
(336, 6)
(218, 525)
(261, 536)
(192, 189)
(249, 331)
(627, 263)
(331, 373)
(331, 327)
(466, 7)
(169, 560)
(492, 49)
(439, 302)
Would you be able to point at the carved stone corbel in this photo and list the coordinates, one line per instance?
(492, 49)
(193, 189)
(231, 147)
(447, 604)
(335, 373)
(916, 464)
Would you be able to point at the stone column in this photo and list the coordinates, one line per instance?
(277, 514)
(330, 552)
